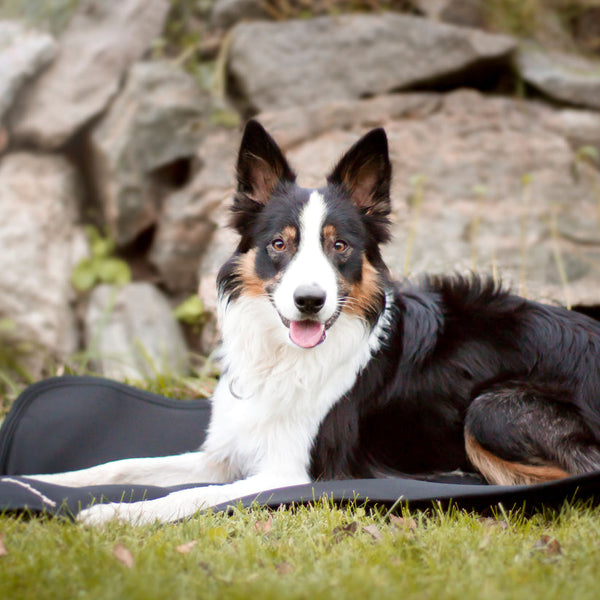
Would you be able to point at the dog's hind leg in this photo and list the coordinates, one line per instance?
(520, 432)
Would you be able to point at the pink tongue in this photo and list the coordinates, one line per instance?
(307, 334)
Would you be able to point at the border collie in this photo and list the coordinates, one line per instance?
(332, 370)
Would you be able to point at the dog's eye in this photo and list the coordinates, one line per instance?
(340, 246)
(278, 244)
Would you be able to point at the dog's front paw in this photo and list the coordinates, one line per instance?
(175, 506)
(100, 514)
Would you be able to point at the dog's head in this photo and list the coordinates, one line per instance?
(310, 253)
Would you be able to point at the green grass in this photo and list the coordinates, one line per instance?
(312, 552)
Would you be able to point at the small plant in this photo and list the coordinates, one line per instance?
(13, 353)
(414, 200)
(101, 266)
(480, 191)
(191, 312)
(587, 161)
(558, 258)
(526, 181)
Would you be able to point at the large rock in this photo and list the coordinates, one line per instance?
(143, 147)
(23, 52)
(39, 196)
(132, 334)
(280, 65)
(565, 77)
(102, 40)
(187, 219)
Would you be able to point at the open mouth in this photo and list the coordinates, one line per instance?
(307, 333)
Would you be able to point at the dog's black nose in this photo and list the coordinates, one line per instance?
(309, 299)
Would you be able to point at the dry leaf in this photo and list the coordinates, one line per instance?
(206, 567)
(187, 547)
(491, 522)
(284, 568)
(343, 531)
(374, 532)
(123, 555)
(3, 550)
(264, 526)
(548, 545)
(403, 522)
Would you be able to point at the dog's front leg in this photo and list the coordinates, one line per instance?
(183, 503)
(192, 467)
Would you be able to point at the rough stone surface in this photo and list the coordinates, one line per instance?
(102, 39)
(23, 52)
(157, 120)
(295, 126)
(186, 223)
(580, 127)
(226, 13)
(561, 76)
(132, 333)
(38, 211)
(280, 65)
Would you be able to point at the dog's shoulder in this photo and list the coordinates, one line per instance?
(445, 311)
(470, 292)
(452, 296)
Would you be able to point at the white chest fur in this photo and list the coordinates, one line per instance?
(273, 395)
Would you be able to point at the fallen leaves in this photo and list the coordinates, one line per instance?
(284, 568)
(374, 532)
(399, 525)
(407, 523)
(548, 545)
(123, 555)
(187, 547)
(343, 531)
(492, 522)
(264, 526)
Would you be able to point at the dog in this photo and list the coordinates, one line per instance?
(333, 370)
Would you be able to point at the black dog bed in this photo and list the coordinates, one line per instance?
(67, 423)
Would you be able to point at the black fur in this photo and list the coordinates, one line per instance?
(453, 342)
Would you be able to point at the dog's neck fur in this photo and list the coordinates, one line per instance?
(270, 385)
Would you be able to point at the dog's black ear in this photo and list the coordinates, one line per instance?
(365, 173)
(261, 165)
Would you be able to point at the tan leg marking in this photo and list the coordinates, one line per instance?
(503, 472)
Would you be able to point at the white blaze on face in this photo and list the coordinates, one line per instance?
(309, 267)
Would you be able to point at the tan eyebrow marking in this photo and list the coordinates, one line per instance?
(365, 293)
(330, 232)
